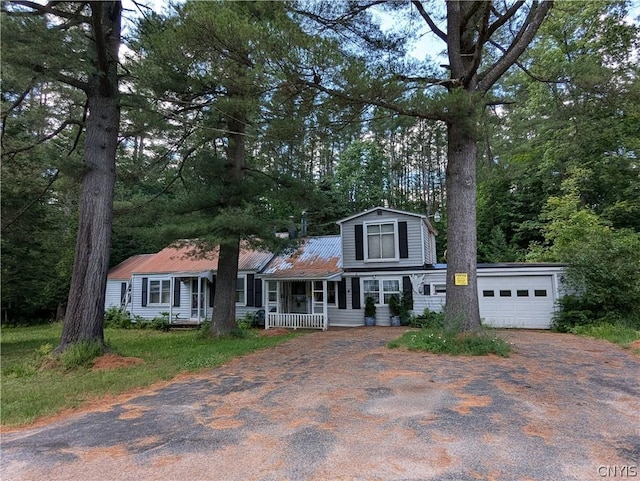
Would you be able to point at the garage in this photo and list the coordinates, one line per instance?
(517, 299)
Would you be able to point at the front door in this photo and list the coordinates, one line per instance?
(298, 298)
(197, 298)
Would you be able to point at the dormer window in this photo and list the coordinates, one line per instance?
(381, 241)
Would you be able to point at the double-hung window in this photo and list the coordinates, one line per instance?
(160, 291)
(389, 288)
(371, 288)
(240, 291)
(381, 241)
(380, 290)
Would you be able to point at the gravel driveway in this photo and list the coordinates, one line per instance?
(339, 405)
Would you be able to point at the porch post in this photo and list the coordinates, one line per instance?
(265, 302)
(199, 297)
(171, 289)
(130, 295)
(325, 306)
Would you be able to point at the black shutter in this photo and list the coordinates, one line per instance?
(403, 241)
(212, 291)
(123, 294)
(145, 283)
(407, 290)
(355, 293)
(342, 294)
(359, 242)
(257, 297)
(176, 292)
(250, 288)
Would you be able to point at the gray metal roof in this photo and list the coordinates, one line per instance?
(316, 258)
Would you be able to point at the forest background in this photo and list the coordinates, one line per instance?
(558, 169)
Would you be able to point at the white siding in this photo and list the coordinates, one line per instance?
(241, 310)
(414, 239)
(532, 311)
(425, 298)
(112, 297)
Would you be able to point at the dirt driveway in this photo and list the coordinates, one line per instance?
(339, 405)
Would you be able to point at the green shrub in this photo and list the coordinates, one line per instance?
(240, 333)
(247, 322)
(616, 333)
(439, 341)
(160, 323)
(117, 318)
(204, 329)
(370, 307)
(428, 319)
(406, 306)
(575, 311)
(79, 355)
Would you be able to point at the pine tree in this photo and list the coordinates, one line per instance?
(94, 28)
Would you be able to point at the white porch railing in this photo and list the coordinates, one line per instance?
(296, 321)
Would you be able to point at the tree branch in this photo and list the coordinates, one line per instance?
(502, 19)
(526, 70)
(47, 8)
(523, 38)
(482, 39)
(428, 80)
(13, 106)
(423, 13)
(52, 179)
(84, 120)
(43, 139)
(440, 115)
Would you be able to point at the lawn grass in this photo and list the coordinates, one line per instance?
(616, 333)
(30, 391)
(440, 341)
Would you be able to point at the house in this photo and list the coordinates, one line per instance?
(181, 283)
(323, 281)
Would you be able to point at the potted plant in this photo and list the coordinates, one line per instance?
(369, 311)
(394, 309)
(406, 306)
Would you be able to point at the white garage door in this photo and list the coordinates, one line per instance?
(516, 301)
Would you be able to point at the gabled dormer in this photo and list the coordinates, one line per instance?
(382, 238)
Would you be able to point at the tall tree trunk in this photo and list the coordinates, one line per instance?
(223, 320)
(84, 318)
(224, 304)
(462, 309)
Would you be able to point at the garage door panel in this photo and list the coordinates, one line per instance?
(516, 301)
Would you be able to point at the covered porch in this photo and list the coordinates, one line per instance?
(192, 301)
(299, 304)
(300, 286)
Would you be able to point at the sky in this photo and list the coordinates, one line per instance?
(428, 44)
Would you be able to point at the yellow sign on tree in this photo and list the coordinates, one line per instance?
(461, 279)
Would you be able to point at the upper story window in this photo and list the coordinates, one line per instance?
(381, 241)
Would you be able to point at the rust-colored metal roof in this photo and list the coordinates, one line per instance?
(127, 267)
(317, 258)
(187, 259)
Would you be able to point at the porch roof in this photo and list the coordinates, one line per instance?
(316, 258)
